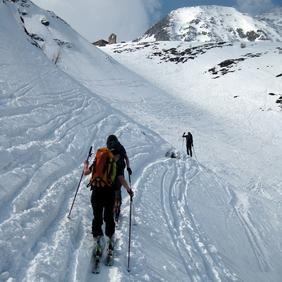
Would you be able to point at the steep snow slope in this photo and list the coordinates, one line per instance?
(196, 221)
(210, 24)
(48, 122)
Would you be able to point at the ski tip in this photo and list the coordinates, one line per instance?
(128, 269)
(96, 269)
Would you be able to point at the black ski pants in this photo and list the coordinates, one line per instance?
(118, 200)
(189, 150)
(103, 200)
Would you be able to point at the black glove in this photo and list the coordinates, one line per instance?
(129, 170)
(131, 194)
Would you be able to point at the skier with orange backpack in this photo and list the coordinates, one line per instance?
(102, 181)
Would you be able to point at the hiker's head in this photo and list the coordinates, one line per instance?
(111, 140)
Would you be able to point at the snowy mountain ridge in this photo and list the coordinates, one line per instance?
(210, 24)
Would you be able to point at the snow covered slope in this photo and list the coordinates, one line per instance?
(239, 88)
(210, 24)
(232, 98)
(48, 122)
(215, 217)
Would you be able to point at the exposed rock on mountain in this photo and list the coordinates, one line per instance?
(211, 24)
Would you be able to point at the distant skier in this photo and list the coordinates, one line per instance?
(189, 142)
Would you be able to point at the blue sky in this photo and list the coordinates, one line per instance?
(96, 19)
(174, 4)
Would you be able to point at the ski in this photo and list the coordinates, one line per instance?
(96, 265)
(97, 254)
(117, 222)
(109, 261)
(110, 258)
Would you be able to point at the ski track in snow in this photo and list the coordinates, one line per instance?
(34, 229)
(191, 240)
(33, 219)
(241, 210)
(199, 258)
(182, 210)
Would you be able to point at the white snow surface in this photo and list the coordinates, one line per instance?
(213, 217)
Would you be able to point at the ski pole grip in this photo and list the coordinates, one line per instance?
(129, 177)
(90, 152)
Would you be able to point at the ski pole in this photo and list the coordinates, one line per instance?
(89, 155)
(195, 154)
(132, 206)
(129, 235)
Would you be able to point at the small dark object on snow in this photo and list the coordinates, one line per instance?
(36, 37)
(45, 22)
(172, 154)
(279, 100)
(226, 63)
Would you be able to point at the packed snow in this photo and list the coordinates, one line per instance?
(213, 217)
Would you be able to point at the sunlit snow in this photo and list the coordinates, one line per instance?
(213, 217)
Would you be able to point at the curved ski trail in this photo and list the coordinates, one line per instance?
(187, 250)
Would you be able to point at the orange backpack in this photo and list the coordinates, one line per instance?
(104, 169)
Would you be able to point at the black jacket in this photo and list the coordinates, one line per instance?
(189, 138)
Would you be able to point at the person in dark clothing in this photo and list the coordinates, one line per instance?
(122, 161)
(102, 201)
(103, 196)
(189, 142)
(120, 181)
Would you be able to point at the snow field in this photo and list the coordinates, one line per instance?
(215, 217)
